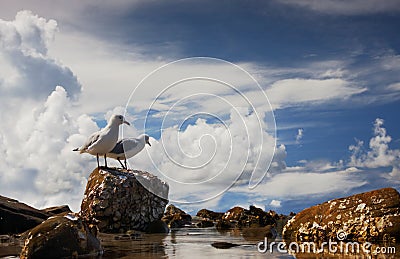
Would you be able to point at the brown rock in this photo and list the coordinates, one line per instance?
(239, 217)
(60, 237)
(17, 217)
(208, 214)
(369, 216)
(175, 217)
(116, 200)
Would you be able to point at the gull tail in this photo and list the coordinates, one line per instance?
(76, 149)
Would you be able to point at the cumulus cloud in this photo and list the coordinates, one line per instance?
(37, 157)
(38, 130)
(205, 159)
(378, 154)
(351, 7)
(23, 55)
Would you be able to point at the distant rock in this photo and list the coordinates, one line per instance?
(57, 210)
(175, 217)
(116, 200)
(61, 237)
(239, 217)
(223, 245)
(208, 214)
(370, 216)
(17, 217)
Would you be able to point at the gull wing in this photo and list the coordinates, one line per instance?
(118, 148)
(90, 141)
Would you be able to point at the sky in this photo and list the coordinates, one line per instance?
(282, 104)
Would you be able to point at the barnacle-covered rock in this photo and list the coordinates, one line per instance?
(117, 200)
(370, 216)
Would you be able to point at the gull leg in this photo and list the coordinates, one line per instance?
(121, 163)
(98, 164)
(105, 160)
(125, 164)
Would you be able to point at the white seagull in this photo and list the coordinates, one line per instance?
(101, 142)
(128, 147)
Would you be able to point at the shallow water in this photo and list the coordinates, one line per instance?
(183, 243)
(191, 243)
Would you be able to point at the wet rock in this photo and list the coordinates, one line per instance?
(57, 210)
(370, 216)
(17, 217)
(60, 237)
(223, 245)
(157, 226)
(208, 214)
(175, 217)
(239, 217)
(118, 200)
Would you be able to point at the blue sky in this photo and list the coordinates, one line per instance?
(331, 70)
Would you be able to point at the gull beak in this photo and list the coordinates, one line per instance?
(127, 123)
(148, 143)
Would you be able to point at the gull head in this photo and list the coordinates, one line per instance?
(146, 139)
(118, 120)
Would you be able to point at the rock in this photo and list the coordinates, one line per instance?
(208, 214)
(17, 217)
(61, 237)
(57, 210)
(175, 217)
(370, 216)
(205, 223)
(117, 201)
(239, 217)
(157, 226)
(223, 245)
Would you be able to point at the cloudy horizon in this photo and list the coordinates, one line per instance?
(329, 72)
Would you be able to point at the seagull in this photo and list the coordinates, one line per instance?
(128, 147)
(101, 142)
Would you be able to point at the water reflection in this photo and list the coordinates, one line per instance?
(196, 243)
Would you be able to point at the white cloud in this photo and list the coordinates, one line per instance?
(302, 183)
(379, 153)
(275, 203)
(38, 165)
(350, 7)
(292, 92)
(34, 74)
(205, 159)
(394, 87)
(38, 131)
(299, 135)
